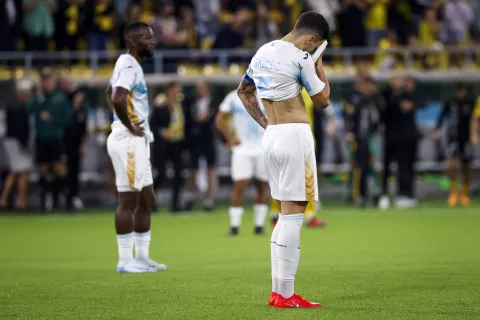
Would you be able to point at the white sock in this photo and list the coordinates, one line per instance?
(236, 214)
(125, 248)
(260, 214)
(142, 245)
(274, 257)
(288, 252)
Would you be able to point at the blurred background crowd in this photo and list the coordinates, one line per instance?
(57, 57)
(421, 29)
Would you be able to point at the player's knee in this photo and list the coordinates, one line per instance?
(240, 186)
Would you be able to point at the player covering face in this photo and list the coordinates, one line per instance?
(277, 74)
(128, 148)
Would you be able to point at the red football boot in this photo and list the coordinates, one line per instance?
(315, 223)
(273, 297)
(295, 301)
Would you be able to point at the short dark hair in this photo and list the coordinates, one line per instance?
(134, 27)
(313, 21)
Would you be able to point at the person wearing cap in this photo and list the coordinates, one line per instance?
(459, 111)
(362, 111)
(17, 147)
(51, 111)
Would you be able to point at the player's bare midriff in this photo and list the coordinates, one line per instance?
(286, 111)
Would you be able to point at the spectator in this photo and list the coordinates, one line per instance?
(376, 21)
(167, 123)
(10, 24)
(132, 14)
(387, 55)
(351, 23)
(51, 111)
(458, 17)
(17, 147)
(206, 15)
(187, 29)
(476, 20)
(199, 119)
(400, 19)
(38, 23)
(267, 29)
(427, 36)
(70, 24)
(165, 25)
(234, 35)
(100, 24)
(75, 140)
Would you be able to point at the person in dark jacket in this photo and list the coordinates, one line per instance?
(199, 116)
(362, 118)
(17, 147)
(75, 140)
(167, 124)
(400, 140)
(458, 111)
(51, 110)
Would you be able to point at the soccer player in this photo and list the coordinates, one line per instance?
(277, 73)
(459, 110)
(128, 147)
(248, 161)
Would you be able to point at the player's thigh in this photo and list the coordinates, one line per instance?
(242, 167)
(147, 198)
(127, 201)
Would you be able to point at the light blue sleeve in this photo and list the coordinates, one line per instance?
(308, 76)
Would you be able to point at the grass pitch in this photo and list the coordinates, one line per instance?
(419, 264)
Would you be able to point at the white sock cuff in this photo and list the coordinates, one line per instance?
(236, 210)
(291, 217)
(125, 236)
(140, 234)
(260, 207)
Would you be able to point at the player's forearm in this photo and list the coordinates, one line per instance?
(251, 104)
(474, 126)
(321, 74)
(246, 93)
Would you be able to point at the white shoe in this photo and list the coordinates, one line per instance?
(77, 203)
(384, 203)
(149, 263)
(134, 267)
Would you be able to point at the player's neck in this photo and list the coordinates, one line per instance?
(294, 39)
(136, 56)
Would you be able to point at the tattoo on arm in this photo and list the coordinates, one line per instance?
(246, 92)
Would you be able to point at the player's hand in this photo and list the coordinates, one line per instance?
(27, 151)
(137, 129)
(436, 134)
(406, 106)
(474, 139)
(46, 117)
(83, 149)
(233, 142)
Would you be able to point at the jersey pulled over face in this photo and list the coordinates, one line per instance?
(280, 71)
(246, 128)
(128, 74)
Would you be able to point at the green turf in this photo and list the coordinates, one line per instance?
(422, 264)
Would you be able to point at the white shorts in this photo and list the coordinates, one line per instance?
(290, 161)
(131, 160)
(246, 167)
(17, 159)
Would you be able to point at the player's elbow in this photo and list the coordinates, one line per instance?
(321, 101)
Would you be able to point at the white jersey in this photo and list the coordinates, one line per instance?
(128, 74)
(248, 131)
(280, 71)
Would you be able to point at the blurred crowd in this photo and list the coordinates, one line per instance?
(46, 133)
(39, 25)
